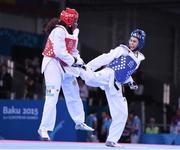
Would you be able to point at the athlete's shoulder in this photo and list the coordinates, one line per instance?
(60, 28)
(120, 50)
(59, 31)
(124, 47)
(141, 56)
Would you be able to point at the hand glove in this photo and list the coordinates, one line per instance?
(78, 62)
(133, 85)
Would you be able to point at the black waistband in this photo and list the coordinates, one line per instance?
(115, 85)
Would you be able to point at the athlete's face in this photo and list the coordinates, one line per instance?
(133, 42)
(75, 25)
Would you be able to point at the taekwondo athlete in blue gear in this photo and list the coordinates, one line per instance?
(120, 63)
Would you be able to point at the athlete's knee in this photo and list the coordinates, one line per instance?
(73, 100)
(122, 117)
(88, 76)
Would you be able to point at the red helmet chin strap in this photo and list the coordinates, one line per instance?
(69, 16)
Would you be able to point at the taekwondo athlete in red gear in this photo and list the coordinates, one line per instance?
(120, 64)
(59, 67)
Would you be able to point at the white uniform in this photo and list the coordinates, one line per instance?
(58, 57)
(120, 63)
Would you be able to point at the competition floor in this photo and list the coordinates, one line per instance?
(40, 145)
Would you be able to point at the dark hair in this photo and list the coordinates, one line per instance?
(52, 24)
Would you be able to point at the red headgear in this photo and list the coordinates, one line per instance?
(69, 16)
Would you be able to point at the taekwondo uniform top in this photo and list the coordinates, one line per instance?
(62, 46)
(121, 60)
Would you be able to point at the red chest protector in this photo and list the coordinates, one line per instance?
(49, 50)
(70, 44)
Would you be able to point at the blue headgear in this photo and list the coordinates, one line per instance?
(140, 35)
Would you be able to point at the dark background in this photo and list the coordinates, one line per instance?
(104, 24)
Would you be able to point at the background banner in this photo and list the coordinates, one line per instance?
(20, 119)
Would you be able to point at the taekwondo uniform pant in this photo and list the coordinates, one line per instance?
(54, 79)
(117, 103)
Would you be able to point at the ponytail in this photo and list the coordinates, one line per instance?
(51, 25)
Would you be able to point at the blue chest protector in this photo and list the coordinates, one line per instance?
(123, 66)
